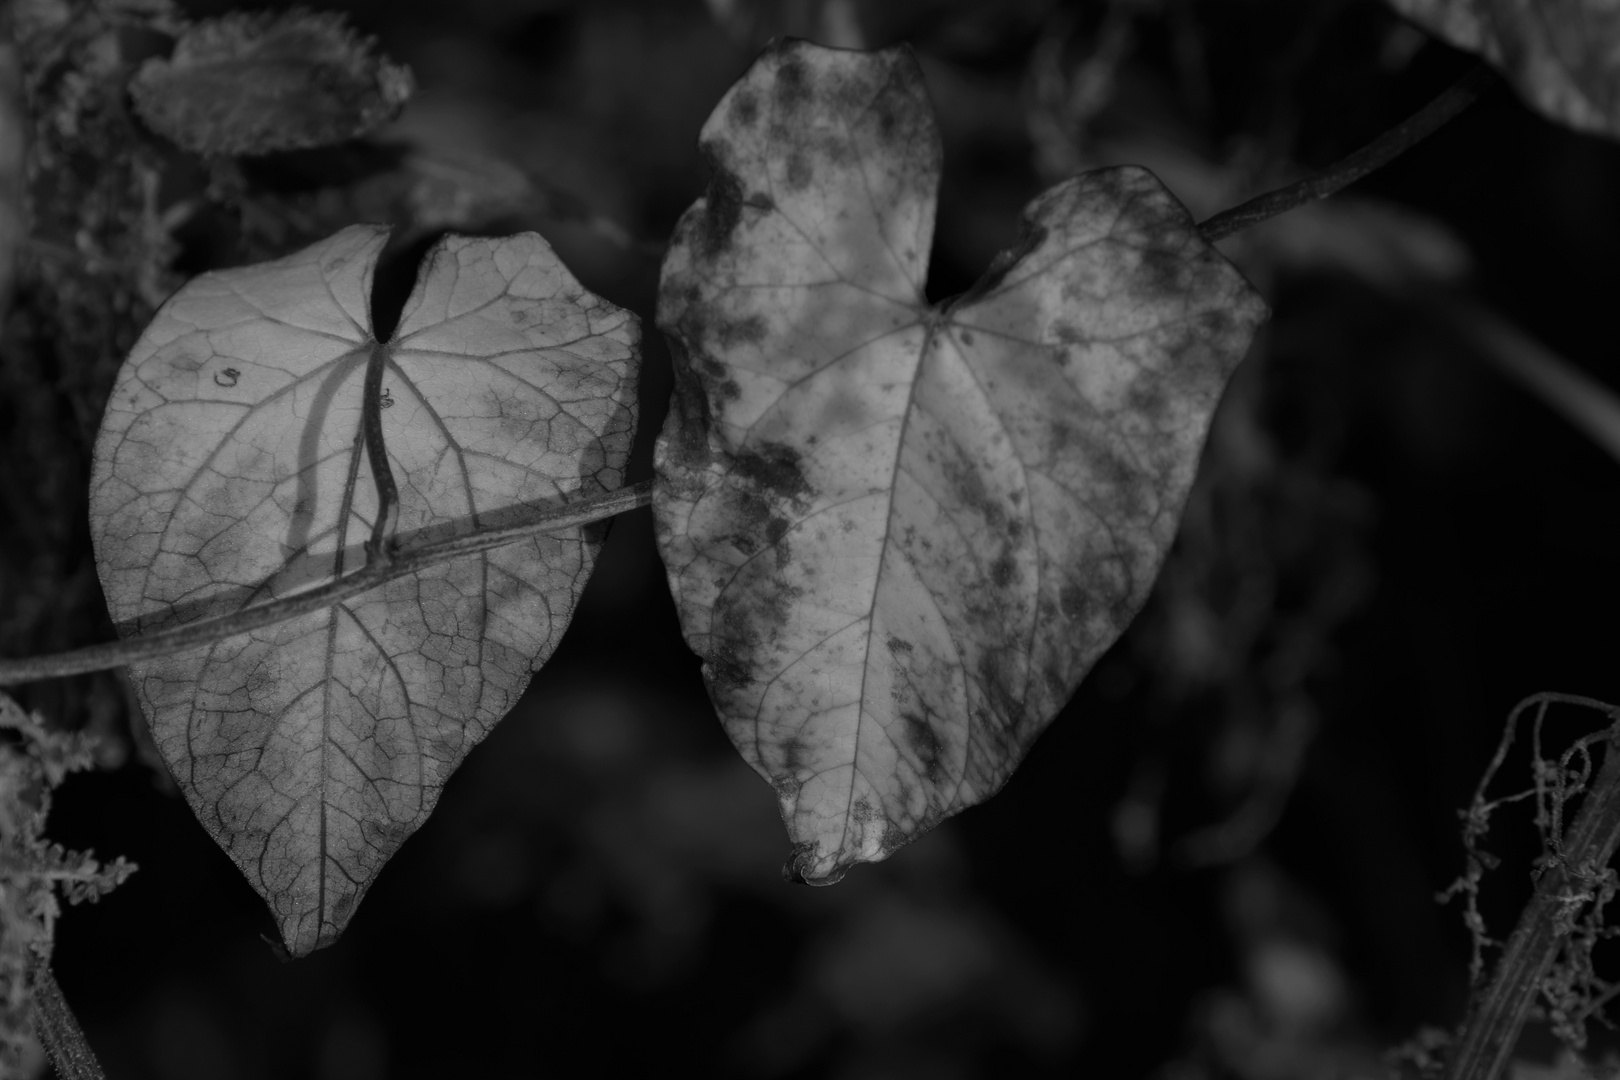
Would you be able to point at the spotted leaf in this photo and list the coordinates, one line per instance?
(899, 534)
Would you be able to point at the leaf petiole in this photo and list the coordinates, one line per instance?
(406, 559)
(59, 1029)
(1341, 174)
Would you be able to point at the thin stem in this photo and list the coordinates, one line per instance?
(407, 560)
(1587, 404)
(58, 1029)
(1376, 154)
(1498, 1012)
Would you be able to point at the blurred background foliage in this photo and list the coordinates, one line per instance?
(1221, 861)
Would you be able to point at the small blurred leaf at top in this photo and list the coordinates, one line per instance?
(253, 83)
(1563, 56)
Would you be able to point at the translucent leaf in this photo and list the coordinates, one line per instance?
(230, 470)
(254, 83)
(899, 534)
(1563, 56)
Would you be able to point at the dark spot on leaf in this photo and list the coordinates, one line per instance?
(688, 313)
(1001, 571)
(749, 512)
(746, 634)
(970, 490)
(518, 416)
(792, 89)
(899, 646)
(792, 755)
(1072, 599)
(686, 431)
(777, 529)
(799, 173)
(884, 110)
(996, 680)
(1163, 273)
(787, 787)
(1147, 398)
(925, 744)
(723, 211)
(774, 532)
(1057, 684)
(744, 109)
(774, 466)
(342, 906)
(717, 377)
(725, 671)
(1066, 333)
(733, 332)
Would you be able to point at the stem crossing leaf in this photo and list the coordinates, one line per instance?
(231, 468)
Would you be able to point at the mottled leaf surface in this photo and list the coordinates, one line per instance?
(1563, 56)
(899, 534)
(254, 83)
(230, 470)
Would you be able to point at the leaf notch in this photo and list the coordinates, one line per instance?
(230, 469)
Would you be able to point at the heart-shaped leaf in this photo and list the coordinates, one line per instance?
(1563, 56)
(230, 469)
(899, 534)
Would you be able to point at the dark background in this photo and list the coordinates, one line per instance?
(1220, 860)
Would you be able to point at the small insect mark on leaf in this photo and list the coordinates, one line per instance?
(387, 399)
(228, 377)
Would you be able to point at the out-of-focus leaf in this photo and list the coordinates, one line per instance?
(1563, 56)
(230, 470)
(899, 534)
(13, 147)
(253, 83)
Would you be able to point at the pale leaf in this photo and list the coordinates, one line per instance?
(230, 470)
(899, 534)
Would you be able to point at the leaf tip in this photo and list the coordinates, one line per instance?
(806, 867)
(305, 930)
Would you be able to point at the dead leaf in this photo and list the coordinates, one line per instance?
(251, 83)
(899, 534)
(230, 470)
(1563, 56)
